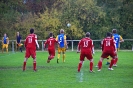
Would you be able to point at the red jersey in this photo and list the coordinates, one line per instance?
(51, 43)
(86, 45)
(30, 41)
(108, 44)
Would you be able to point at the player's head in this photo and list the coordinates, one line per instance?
(5, 34)
(114, 31)
(50, 34)
(111, 34)
(17, 33)
(31, 30)
(108, 34)
(87, 34)
(61, 31)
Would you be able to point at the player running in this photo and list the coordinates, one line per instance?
(30, 45)
(51, 47)
(5, 42)
(108, 49)
(85, 46)
(62, 44)
(118, 39)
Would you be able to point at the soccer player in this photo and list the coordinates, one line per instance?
(108, 49)
(18, 42)
(5, 42)
(51, 47)
(86, 49)
(30, 45)
(118, 39)
(62, 44)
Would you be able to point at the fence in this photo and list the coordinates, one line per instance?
(127, 44)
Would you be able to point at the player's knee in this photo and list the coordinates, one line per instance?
(91, 60)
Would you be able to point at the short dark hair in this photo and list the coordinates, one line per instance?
(87, 34)
(50, 34)
(31, 30)
(108, 34)
(114, 31)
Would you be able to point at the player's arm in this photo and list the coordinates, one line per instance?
(79, 47)
(36, 41)
(45, 44)
(7, 40)
(121, 39)
(65, 42)
(93, 52)
(2, 40)
(102, 45)
(114, 45)
(25, 43)
(57, 40)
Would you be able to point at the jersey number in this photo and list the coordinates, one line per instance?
(50, 43)
(107, 43)
(85, 44)
(60, 40)
(30, 40)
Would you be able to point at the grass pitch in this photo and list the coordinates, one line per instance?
(64, 75)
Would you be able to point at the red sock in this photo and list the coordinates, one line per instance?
(111, 63)
(115, 61)
(99, 64)
(79, 66)
(91, 66)
(24, 65)
(51, 57)
(34, 65)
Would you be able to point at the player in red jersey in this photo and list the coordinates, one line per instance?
(51, 47)
(86, 48)
(108, 49)
(30, 45)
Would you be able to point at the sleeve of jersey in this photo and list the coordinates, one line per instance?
(7, 40)
(25, 42)
(65, 37)
(102, 45)
(56, 38)
(92, 47)
(2, 40)
(45, 44)
(121, 37)
(35, 37)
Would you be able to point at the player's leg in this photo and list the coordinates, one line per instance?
(33, 54)
(20, 47)
(81, 62)
(112, 54)
(89, 57)
(6, 48)
(3, 46)
(51, 55)
(115, 60)
(63, 52)
(108, 60)
(24, 63)
(27, 55)
(104, 55)
(59, 52)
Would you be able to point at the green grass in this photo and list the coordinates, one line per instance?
(64, 75)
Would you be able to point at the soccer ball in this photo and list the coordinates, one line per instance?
(68, 25)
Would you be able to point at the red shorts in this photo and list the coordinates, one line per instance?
(85, 54)
(106, 54)
(30, 52)
(51, 52)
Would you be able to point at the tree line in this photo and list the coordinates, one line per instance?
(45, 16)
